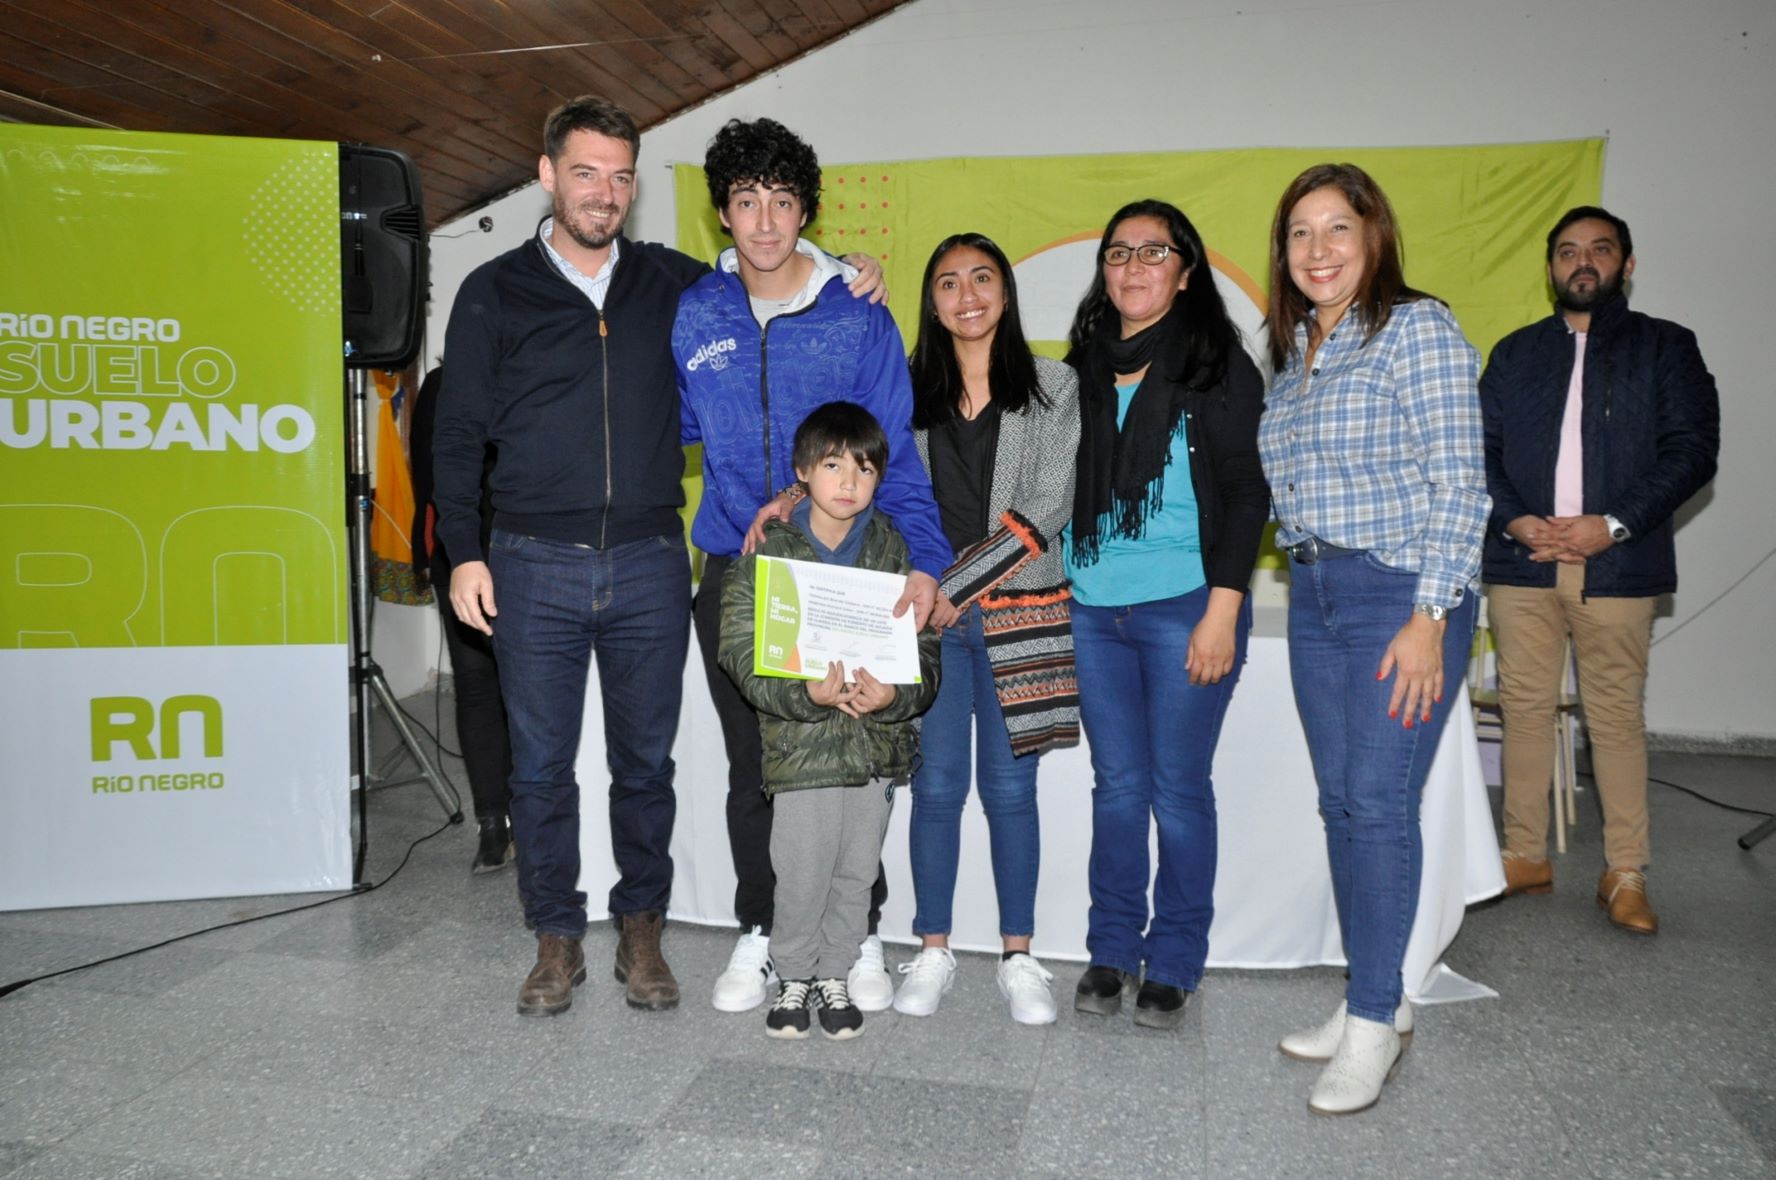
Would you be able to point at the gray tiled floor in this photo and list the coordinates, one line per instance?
(375, 1038)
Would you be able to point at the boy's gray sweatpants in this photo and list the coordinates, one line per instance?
(826, 845)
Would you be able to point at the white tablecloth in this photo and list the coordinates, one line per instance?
(1273, 890)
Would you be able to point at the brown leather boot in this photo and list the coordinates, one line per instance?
(1523, 875)
(1623, 893)
(640, 963)
(560, 967)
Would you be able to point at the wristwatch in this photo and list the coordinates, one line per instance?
(1435, 613)
(1617, 530)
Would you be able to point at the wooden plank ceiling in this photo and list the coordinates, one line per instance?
(461, 86)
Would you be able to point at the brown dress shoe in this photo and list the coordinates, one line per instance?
(560, 967)
(1523, 875)
(640, 963)
(1623, 893)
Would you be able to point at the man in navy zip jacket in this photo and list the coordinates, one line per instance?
(560, 357)
(1600, 423)
(766, 338)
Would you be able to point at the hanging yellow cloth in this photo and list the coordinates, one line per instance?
(391, 550)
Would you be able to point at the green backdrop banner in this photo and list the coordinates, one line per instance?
(171, 468)
(1473, 218)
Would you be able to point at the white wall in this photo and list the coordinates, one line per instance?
(1684, 92)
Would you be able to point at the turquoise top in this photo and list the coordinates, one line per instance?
(1166, 560)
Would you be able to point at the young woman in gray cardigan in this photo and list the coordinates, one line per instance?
(997, 429)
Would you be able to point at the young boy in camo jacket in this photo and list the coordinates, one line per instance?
(833, 749)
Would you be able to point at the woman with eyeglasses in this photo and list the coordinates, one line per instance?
(1373, 443)
(996, 428)
(1168, 508)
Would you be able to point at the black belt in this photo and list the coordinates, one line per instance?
(1311, 549)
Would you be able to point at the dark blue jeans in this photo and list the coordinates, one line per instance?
(1371, 769)
(559, 604)
(1153, 737)
(967, 707)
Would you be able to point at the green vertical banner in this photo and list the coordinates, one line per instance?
(173, 619)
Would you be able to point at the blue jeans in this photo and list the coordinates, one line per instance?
(1371, 769)
(558, 604)
(967, 706)
(1152, 736)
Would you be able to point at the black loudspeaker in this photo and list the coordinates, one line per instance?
(383, 256)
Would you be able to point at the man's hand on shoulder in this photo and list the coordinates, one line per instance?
(471, 595)
(778, 508)
(869, 280)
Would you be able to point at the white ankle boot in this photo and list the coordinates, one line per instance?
(1366, 1058)
(1318, 1044)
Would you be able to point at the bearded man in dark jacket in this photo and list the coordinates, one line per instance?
(559, 360)
(1600, 423)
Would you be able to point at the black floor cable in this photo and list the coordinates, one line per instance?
(438, 745)
(1748, 840)
(1711, 802)
(359, 891)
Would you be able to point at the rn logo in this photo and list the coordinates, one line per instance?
(130, 722)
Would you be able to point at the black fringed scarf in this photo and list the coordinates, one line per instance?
(1121, 473)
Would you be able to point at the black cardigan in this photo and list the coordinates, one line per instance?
(1221, 432)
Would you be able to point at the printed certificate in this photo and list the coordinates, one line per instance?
(809, 613)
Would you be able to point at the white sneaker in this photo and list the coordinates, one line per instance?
(1023, 981)
(1366, 1058)
(749, 975)
(871, 989)
(1319, 1044)
(928, 977)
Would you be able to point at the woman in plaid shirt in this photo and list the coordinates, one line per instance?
(1371, 441)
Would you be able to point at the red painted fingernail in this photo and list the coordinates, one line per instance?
(1408, 723)
(1393, 713)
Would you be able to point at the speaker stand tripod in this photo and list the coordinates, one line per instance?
(368, 682)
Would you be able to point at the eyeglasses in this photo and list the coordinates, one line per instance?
(1150, 255)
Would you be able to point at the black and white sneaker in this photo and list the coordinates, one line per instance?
(840, 1019)
(789, 1016)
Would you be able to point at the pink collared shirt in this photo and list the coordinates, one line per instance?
(1569, 467)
